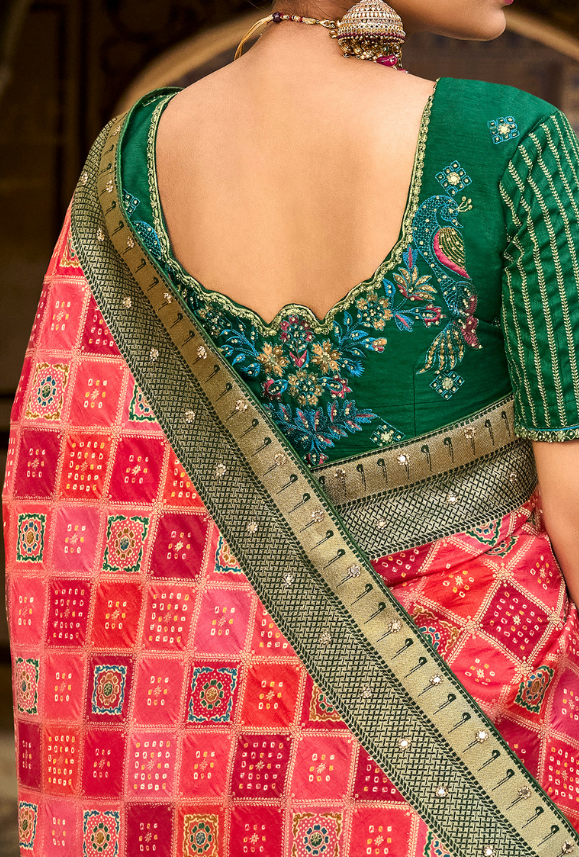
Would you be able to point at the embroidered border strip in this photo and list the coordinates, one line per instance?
(419, 491)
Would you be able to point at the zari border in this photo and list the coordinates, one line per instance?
(441, 483)
(389, 684)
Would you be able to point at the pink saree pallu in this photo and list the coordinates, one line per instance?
(219, 651)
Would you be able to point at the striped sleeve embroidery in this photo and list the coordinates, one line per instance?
(540, 309)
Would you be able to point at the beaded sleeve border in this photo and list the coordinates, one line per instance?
(397, 695)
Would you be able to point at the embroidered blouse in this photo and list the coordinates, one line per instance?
(479, 297)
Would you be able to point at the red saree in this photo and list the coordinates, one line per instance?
(159, 708)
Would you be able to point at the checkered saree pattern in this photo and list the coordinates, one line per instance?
(159, 710)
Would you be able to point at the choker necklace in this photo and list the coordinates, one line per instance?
(370, 30)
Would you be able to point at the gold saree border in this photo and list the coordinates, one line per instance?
(445, 482)
(393, 690)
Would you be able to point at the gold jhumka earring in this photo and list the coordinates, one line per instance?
(370, 30)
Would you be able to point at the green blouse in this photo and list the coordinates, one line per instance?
(479, 297)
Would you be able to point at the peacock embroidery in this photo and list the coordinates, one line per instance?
(439, 241)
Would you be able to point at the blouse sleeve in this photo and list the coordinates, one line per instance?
(540, 302)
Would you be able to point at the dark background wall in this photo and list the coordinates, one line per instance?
(69, 65)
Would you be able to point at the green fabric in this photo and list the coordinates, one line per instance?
(419, 344)
(541, 280)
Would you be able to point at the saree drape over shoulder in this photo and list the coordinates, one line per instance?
(284, 589)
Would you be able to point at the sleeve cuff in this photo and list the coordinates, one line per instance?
(558, 435)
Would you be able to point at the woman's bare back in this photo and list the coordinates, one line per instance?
(289, 189)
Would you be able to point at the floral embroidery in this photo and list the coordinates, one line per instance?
(532, 691)
(101, 833)
(273, 360)
(503, 129)
(26, 685)
(201, 835)
(314, 374)
(313, 431)
(125, 543)
(373, 311)
(441, 245)
(109, 689)
(453, 178)
(30, 542)
(316, 835)
(47, 397)
(212, 690)
(27, 818)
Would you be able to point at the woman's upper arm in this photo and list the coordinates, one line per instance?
(540, 301)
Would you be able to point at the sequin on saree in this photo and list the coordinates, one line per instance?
(159, 707)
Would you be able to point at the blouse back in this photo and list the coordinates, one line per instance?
(479, 298)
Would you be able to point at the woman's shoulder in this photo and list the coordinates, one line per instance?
(507, 112)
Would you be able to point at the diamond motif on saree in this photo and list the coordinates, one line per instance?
(103, 755)
(68, 612)
(149, 830)
(151, 762)
(316, 834)
(201, 836)
(27, 818)
(30, 540)
(109, 689)
(38, 455)
(168, 617)
(212, 692)
(514, 620)
(47, 397)
(564, 770)
(125, 543)
(61, 756)
(26, 674)
(117, 607)
(260, 766)
(101, 833)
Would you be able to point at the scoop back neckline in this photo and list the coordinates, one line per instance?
(235, 309)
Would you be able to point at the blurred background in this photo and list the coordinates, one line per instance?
(68, 66)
